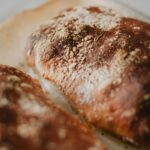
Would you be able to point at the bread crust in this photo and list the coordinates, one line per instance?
(30, 121)
(100, 60)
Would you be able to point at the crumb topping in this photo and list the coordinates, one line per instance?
(73, 34)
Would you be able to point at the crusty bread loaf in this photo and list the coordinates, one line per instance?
(30, 121)
(101, 61)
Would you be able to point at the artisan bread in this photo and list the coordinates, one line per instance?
(101, 61)
(30, 121)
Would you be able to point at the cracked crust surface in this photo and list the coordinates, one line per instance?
(30, 121)
(100, 60)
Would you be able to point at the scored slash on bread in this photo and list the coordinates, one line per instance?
(100, 60)
(30, 121)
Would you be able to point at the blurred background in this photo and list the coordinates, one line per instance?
(9, 8)
(140, 5)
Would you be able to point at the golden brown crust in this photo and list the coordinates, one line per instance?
(30, 121)
(100, 60)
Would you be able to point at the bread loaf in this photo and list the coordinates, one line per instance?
(30, 121)
(101, 61)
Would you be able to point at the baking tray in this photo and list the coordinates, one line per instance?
(14, 32)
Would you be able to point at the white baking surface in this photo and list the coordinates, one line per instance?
(9, 8)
